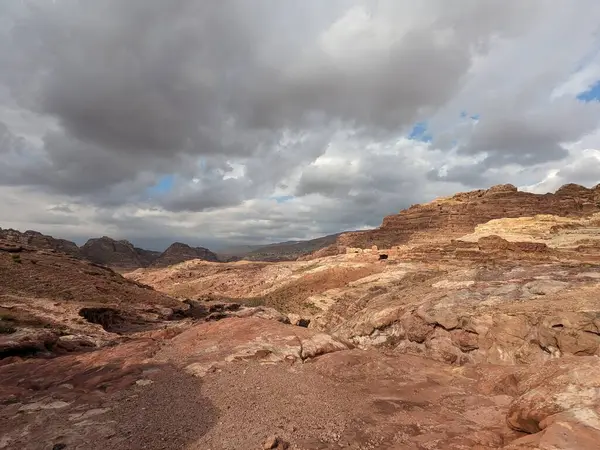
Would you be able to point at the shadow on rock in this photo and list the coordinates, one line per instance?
(104, 399)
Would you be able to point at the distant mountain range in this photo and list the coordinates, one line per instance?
(281, 251)
(110, 252)
(123, 255)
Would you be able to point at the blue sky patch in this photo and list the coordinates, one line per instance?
(592, 94)
(163, 185)
(419, 132)
(283, 198)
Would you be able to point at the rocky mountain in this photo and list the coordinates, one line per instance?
(179, 252)
(457, 332)
(451, 217)
(284, 251)
(236, 252)
(146, 257)
(118, 254)
(39, 240)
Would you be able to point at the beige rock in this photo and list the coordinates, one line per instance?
(274, 442)
(208, 345)
(565, 385)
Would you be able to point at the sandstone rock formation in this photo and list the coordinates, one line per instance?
(178, 252)
(491, 301)
(455, 216)
(467, 336)
(51, 302)
(39, 240)
(117, 254)
(121, 255)
(550, 230)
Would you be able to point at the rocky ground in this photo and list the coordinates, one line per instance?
(486, 340)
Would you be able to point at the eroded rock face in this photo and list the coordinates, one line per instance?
(39, 240)
(455, 216)
(178, 252)
(504, 315)
(490, 301)
(559, 404)
(27, 341)
(250, 338)
(51, 303)
(117, 254)
(487, 340)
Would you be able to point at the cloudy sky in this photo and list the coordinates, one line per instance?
(234, 121)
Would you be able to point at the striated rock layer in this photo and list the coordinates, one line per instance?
(452, 217)
(39, 240)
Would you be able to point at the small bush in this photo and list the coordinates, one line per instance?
(16, 258)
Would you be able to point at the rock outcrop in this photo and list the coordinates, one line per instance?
(39, 240)
(118, 254)
(461, 301)
(52, 303)
(452, 217)
(546, 229)
(178, 252)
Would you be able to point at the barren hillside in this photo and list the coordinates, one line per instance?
(483, 336)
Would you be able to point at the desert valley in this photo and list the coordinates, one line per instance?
(299, 225)
(470, 322)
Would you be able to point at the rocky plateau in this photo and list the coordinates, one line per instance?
(471, 322)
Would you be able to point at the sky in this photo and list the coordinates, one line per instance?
(234, 122)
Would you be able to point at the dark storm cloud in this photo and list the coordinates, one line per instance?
(160, 77)
(73, 167)
(136, 85)
(135, 76)
(205, 196)
(61, 208)
(9, 143)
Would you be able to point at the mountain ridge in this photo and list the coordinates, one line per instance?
(450, 216)
(459, 214)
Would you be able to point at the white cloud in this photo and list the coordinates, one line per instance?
(244, 103)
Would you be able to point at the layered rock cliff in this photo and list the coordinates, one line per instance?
(39, 240)
(452, 217)
(119, 254)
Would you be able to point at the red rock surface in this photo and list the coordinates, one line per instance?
(39, 240)
(472, 341)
